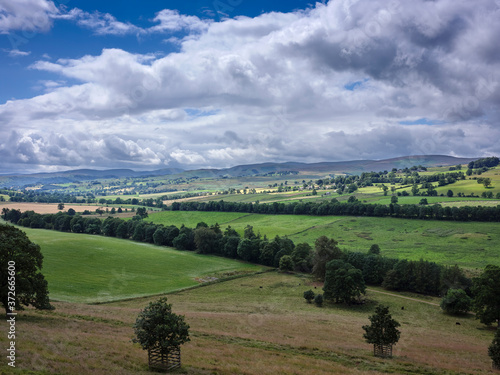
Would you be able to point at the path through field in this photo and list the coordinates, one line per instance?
(397, 295)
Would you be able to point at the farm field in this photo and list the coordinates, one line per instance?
(468, 244)
(86, 268)
(46, 208)
(259, 324)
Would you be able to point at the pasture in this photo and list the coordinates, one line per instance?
(468, 244)
(255, 325)
(89, 269)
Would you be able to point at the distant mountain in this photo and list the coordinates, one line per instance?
(79, 175)
(352, 167)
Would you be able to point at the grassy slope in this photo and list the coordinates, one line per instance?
(257, 325)
(466, 244)
(85, 268)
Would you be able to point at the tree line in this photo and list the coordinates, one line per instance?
(401, 275)
(352, 207)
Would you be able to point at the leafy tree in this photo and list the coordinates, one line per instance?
(318, 300)
(374, 249)
(486, 292)
(249, 250)
(494, 349)
(325, 249)
(394, 199)
(449, 193)
(157, 327)
(383, 329)
(142, 212)
(302, 257)
(21, 263)
(71, 212)
(343, 282)
(456, 301)
(60, 206)
(423, 201)
(206, 240)
(309, 295)
(286, 263)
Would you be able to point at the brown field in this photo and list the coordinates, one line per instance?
(255, 325)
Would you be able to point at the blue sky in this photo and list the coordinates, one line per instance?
(200, 84)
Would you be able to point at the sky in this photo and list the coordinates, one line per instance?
(216, 83)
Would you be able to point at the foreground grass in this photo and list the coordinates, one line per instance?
(468, 244)
(86, 268)
(256, 325)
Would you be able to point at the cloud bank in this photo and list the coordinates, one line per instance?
(351, 79)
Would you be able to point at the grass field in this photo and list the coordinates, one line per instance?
(468, 244)
(86, 268)
(256, 325)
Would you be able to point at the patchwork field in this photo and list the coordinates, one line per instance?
(256, 325)
(468, 244)
(86, 268)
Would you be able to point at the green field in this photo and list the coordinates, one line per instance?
(468, 244)
(86, 268)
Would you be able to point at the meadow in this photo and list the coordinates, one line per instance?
(86, 268)
(255, 325)
(468, 244)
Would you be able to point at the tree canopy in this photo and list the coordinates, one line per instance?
(383, 329)
(486, 291)
(157, 327)
(343, 282)
(25, 259)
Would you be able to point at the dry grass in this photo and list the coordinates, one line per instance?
(46, 208)
(237, 327)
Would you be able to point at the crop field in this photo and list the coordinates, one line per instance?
(468, 244)
(47, 208)
(259, 324)
(86, 268)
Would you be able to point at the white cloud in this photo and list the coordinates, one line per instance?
(17, 53)
(26, 15)
(334, 82)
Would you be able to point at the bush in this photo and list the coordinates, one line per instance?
(309, 295)
(494, 349)
(286, 263)
(318, 300)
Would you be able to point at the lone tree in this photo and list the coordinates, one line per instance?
(325, 249)
(21, 262)
(486, 291)
(456, 301)
(161, 333)
(382, 332)
(494, 350)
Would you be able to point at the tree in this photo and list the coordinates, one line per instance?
(456, 301)
(286, 263)
(302, 257)
(423, 201)
(486, 292)
(343, 282)
(309, 295)
(325, 249)
(318, 300)
(374, 249)
(449, 193)
(383, 329)
(158, 328)
(494, 350)
(141, 211)
(394, 199)
(21, 263)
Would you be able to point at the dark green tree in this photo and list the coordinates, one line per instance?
(456, 301)
(157, 327)
(383, 330)
(318, 300)
(486, 292)
(20, 264)
(60, 206)
(325, 249)
(494, 350)
(374, 249)
(343, 282)
(286, 263)
(309, 295)
(302, 257)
